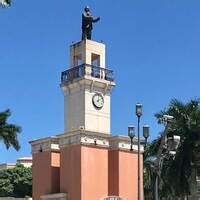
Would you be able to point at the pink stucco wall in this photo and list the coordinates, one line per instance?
(123, 174)
(46, 175)
(84, 172)
(70, 171)
(94, 172)
(113, 175)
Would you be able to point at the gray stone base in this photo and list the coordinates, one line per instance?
(57, 196)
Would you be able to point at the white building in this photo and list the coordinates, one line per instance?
(25, 161)
(7, 166)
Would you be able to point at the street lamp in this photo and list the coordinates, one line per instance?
(138, 112)
(146, 132)
(131, 134)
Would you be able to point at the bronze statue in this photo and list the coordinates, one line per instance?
(87, 20)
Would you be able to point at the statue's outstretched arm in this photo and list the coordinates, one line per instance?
(95, 19)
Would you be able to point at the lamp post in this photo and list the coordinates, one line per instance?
(146, 133)
(131, 134)
(138, 112)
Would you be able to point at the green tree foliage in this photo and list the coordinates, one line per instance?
(149, 179)
(149, 169)
(176, 173)
(8, 132)
(16, 182)
(5, 3)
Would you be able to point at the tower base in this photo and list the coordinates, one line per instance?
(83, 165)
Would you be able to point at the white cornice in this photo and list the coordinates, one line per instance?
(85, 82)
(45, 144)
(84, 137)
(123, 143)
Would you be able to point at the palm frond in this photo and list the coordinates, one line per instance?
(9, 132)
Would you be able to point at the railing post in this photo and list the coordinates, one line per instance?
(103, 73)
(88, 70)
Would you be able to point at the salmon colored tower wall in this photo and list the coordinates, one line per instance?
(123, 174)
(70, 171)
(94, 172)
(84, 172)
(46, 173)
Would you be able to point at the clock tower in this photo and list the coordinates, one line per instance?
(87, 86)
(87, 162)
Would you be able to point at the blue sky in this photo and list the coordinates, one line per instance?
(152, 46)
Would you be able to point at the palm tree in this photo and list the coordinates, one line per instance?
(5, 3)
(149, 179)
(187, 126)
(178, 174)
(8, 132)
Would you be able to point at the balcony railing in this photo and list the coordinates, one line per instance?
(86, 70)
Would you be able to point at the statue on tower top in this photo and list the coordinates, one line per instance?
(87, 20)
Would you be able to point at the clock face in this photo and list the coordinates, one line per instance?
(98, 100)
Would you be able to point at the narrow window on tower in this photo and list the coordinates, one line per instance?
(95, 60)
(95, 65)
(79, 70)
(77, 60)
